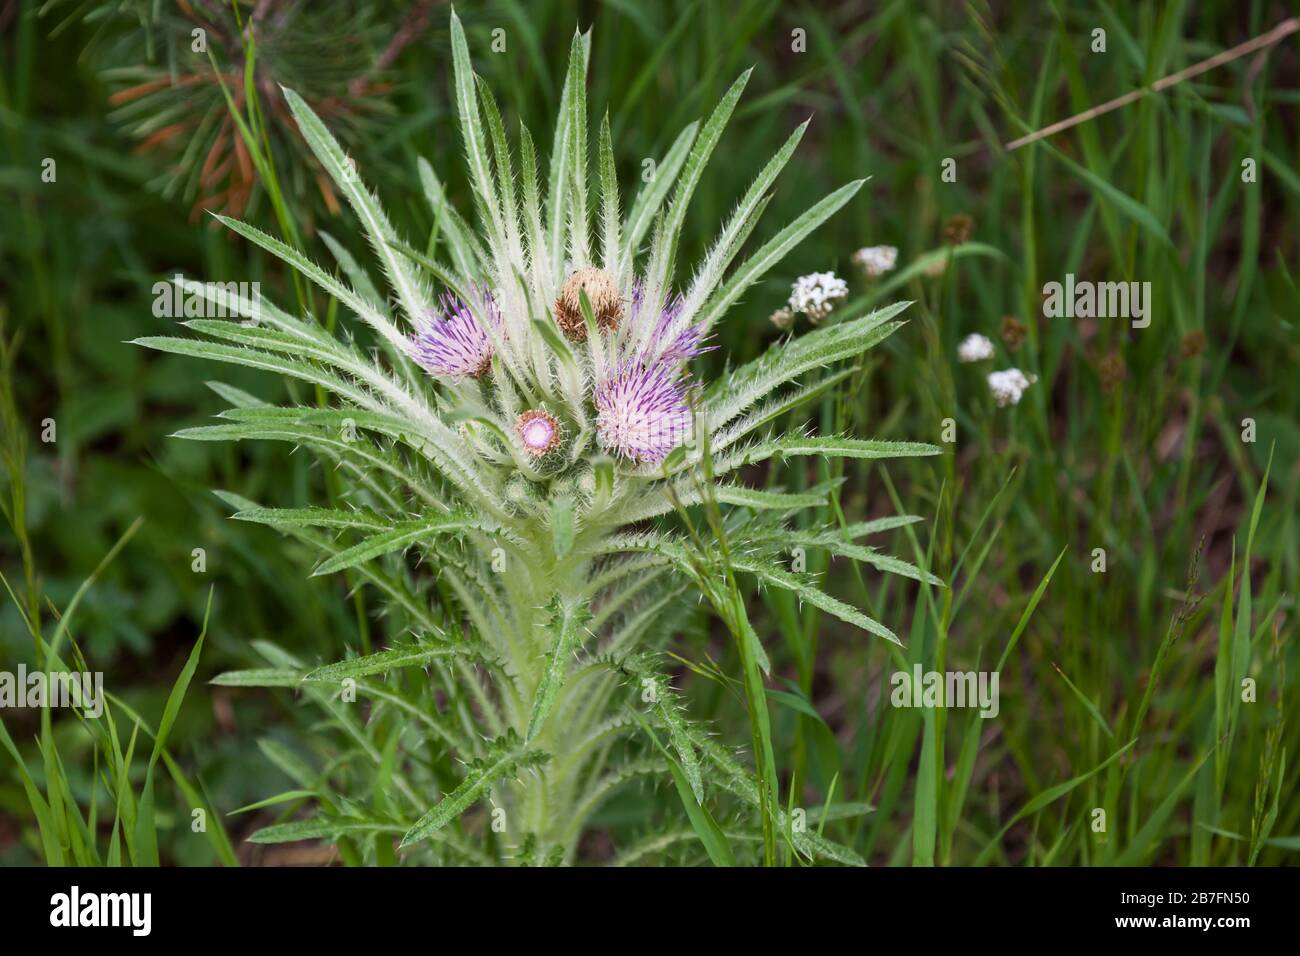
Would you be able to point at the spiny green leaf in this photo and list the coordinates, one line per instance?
(320, 277)
(397, 538)
(506, 758)
(773, 574)
(563, 524)
(566, 623)
(320, 828)
(830, 446)
(776, 500)
(313, 518)
(381, 662)
(259, 677)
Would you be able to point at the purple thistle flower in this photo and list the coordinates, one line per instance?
(684, 346)
(642, 412)
(451, 343)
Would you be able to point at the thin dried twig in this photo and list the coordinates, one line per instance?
(1261, 42)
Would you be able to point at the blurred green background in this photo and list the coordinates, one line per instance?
(1131, 440)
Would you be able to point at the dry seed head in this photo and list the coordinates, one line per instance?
(1112, 371)
(1192, 344)
(602, 293)
(957, 229)
(1013, 333)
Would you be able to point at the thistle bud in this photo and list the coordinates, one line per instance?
(538, 431)
(520, 493)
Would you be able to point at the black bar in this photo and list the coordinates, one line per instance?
(335, 905)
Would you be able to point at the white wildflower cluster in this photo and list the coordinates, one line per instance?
(1009, 385)
(975, 348)
(815, 294)
(876, 260)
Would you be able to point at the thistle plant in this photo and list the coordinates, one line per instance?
(538, 489)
